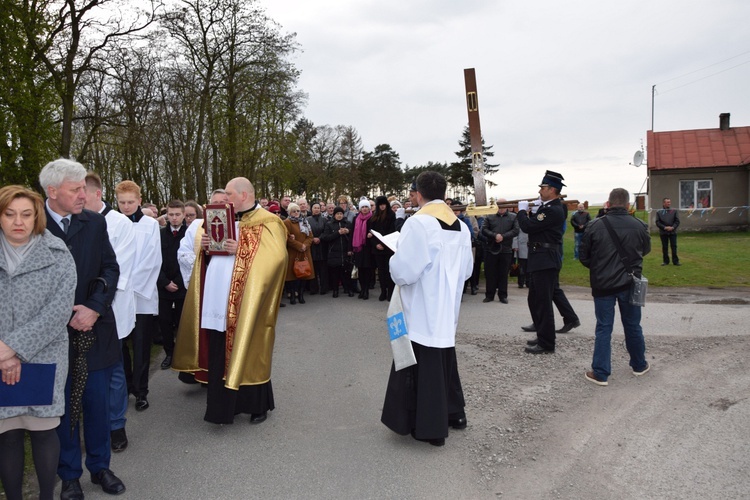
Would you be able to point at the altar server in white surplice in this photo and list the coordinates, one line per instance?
(143, 278)
(431, 264)
(122, 238)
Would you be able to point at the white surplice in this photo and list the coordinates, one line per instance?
(122, 238)
(431, 265)
(147, 266)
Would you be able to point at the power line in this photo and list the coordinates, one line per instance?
(705, 77)
(706, 67)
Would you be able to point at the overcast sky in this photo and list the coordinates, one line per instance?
(564, 86)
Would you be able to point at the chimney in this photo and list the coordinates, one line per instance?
(724, 121)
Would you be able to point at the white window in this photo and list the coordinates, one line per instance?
(696, 194)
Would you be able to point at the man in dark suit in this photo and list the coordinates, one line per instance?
(545, 240)
(171, 287)
(499, 230)
(85, 233)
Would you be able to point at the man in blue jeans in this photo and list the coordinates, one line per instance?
(610, 284)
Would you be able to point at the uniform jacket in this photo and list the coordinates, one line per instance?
(598, 252)
(33, 317)
(88, 242)
(667, 217)
(505, 224)
(545, 235)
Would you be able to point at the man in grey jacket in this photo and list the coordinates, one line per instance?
(611, 281)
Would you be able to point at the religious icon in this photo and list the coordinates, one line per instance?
(219, 225)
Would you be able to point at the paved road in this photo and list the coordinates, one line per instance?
(325, 439)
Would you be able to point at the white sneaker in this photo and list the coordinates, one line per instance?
(638, 374)
(592, 378)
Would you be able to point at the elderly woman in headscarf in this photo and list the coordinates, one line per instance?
(362, 245)
(38, 276)
(299, 239)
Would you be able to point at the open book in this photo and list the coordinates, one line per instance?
(389, 240)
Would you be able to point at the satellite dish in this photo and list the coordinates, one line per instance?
(638, 158)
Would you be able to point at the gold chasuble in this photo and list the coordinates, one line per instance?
(255, 294)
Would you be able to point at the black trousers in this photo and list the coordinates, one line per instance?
(170, 311)
(522, 273)
(496, 268)
(384, 273)
(477, 270)
(223, 404)
(562, 304)
(669, 240)
(136, 368)
(423, 397)
(320, 283)
(541, 291)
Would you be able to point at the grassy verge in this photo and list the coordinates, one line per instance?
(708, 259)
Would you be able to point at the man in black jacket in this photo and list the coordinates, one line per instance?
(668, 220)
(544, 262)
(499, 230)
(171, 287)
(610, 283)
(85, 234)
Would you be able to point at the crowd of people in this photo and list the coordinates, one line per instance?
(95, 287)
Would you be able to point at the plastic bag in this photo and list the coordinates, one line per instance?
(638, 290)
(403, 353)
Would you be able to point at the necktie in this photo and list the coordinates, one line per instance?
(66, 224)
(174, 233)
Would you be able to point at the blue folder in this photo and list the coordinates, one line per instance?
(34, 389)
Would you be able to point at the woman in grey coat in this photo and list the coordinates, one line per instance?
(38, 279)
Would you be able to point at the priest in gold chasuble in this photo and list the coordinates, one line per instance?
(227, 330)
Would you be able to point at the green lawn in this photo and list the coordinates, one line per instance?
(708, 259)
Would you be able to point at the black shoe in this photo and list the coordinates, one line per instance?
(281, 304)
(530, 328)
(474, 290)
(301, 299)
(110, 483)
(535, 349)
(433, 442)
(531, 342)
(487, 299)
(366, 295)
(383, 295)
(118, 439)
(167, 362)
(504, 300)
(187, 378)
(257, 418)
(569, 326)
(677, 264)
(457, 423)
(71, 490)
(350, 293)
(335, 294)
(141, 403)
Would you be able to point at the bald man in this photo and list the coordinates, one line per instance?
(227, 330)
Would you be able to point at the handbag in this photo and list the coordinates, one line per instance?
(355, 272)
(515, 270)
(302, 268)
(638, 284)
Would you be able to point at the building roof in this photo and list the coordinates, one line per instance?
(698, 148)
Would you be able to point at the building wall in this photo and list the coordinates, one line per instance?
(731, 188)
